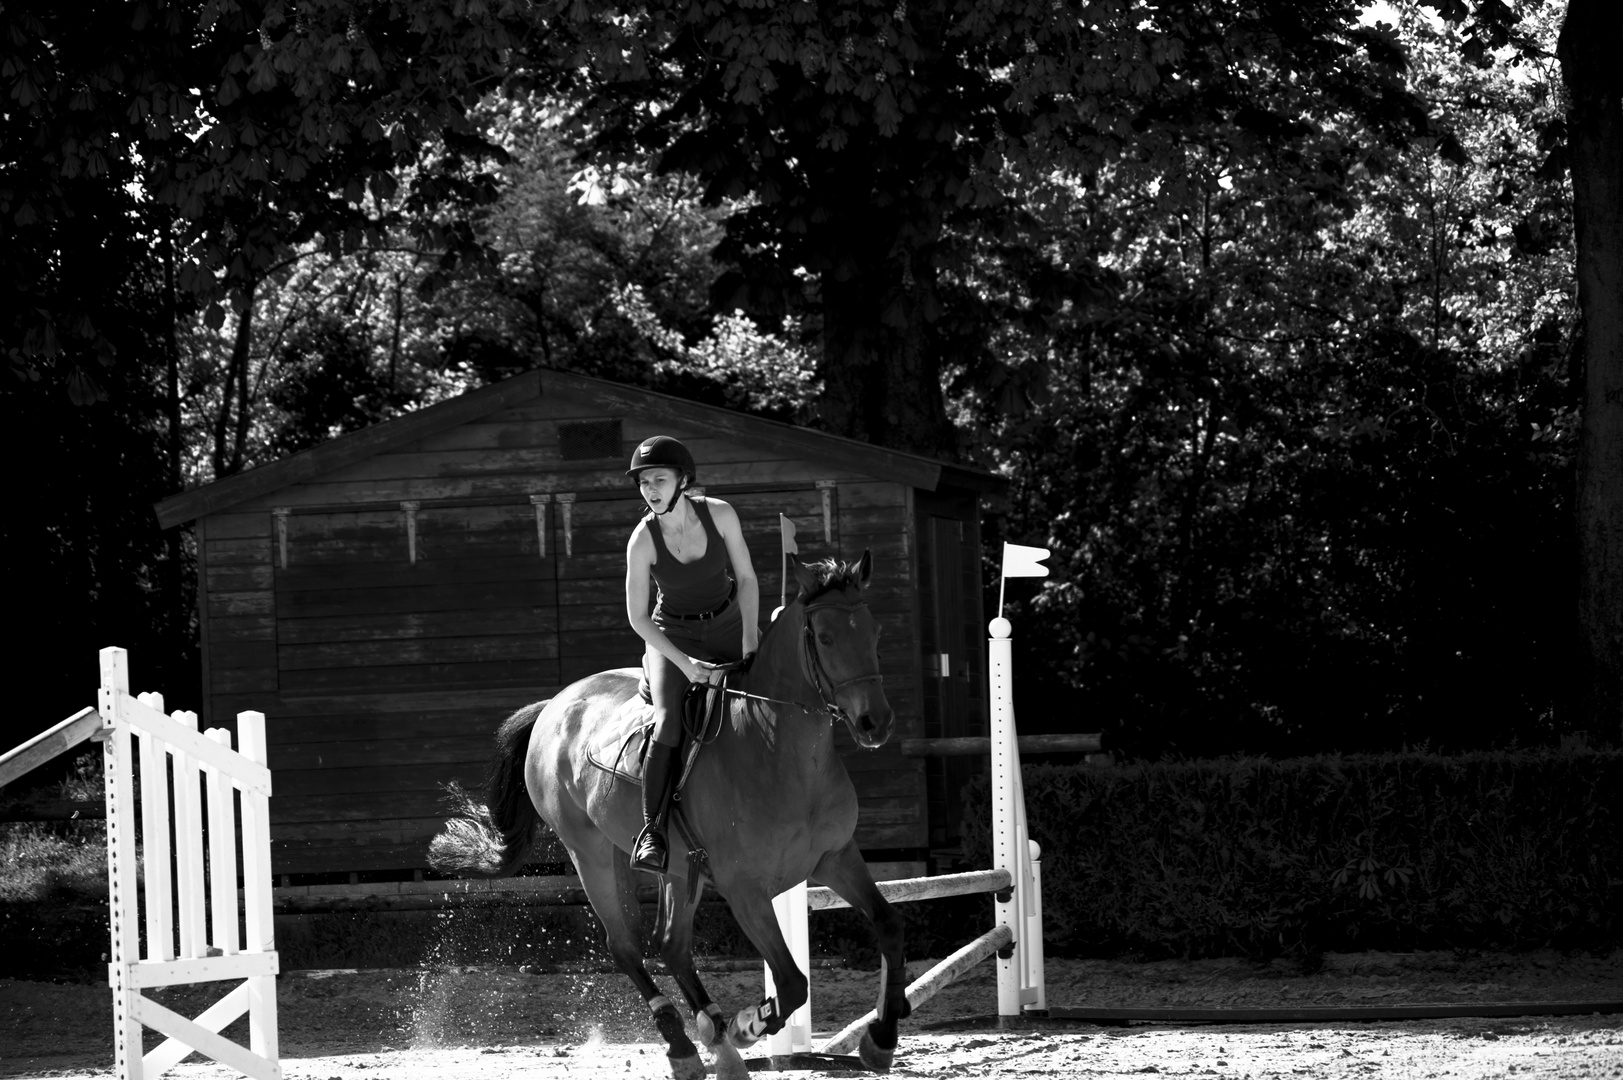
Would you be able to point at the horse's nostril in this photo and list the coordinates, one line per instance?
(865, 722)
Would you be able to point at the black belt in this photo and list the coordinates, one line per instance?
(703, 615)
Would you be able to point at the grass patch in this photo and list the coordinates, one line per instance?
(44, 859)
(40, 860)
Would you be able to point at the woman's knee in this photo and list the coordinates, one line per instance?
(667, 726)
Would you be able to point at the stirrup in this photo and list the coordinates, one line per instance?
(650, 852)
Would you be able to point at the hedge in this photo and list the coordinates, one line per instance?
(1257, 857)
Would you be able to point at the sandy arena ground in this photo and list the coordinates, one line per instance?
(506, 1023)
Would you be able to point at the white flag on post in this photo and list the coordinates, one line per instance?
(786, 530)
(1020, 561)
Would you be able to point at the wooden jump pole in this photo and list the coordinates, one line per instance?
(902, 890)
(59, 739)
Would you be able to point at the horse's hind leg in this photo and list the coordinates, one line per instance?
(612, 890)
(846, 873)
(676, 913)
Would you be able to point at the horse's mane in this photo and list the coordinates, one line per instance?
(832, 575)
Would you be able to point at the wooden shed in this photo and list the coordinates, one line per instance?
(387, 597)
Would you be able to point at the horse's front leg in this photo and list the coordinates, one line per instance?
(845, 872)
(753, 911)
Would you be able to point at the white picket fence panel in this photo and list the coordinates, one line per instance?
(182, 883)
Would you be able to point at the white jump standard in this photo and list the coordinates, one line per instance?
(197, 898)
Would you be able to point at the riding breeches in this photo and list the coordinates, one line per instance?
(717, 640)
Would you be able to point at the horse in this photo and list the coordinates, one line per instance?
(767, 804)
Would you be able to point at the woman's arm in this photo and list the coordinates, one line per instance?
(738, 552)
(639, 564)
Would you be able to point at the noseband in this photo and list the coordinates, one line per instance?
(811, 661)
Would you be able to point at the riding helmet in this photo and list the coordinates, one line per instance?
(662, 450)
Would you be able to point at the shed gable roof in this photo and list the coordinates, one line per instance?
(912, 469)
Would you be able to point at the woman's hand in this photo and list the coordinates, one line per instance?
(702, 673)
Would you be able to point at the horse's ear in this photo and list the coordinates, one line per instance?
(864, 567)
(807, 579)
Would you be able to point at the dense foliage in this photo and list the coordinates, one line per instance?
(1309, 481)
(1247, 856)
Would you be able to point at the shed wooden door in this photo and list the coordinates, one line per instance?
(953, 665)
(394, 670)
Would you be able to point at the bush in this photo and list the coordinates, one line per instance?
(1258, 857)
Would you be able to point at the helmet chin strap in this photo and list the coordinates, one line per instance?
(678, 495)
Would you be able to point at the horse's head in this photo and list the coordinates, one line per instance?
(840, 646)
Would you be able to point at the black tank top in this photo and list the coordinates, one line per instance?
(701, 585)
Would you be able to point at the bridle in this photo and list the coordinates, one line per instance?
(811, 662)
(813, 668)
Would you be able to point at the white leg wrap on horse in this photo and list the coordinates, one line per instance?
(750, 1024)
(884, 984)
(658, 1002)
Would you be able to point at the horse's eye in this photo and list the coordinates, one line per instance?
(825, 639)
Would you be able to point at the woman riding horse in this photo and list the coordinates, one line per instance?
(707, 610)
(770, 805)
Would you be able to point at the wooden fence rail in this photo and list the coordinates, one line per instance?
(972, 745)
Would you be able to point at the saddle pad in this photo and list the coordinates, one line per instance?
(623, 755)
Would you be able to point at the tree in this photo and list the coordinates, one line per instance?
(1588, 47)
(248, 130)
(1306, 479)
(159, 159)
(862, 134)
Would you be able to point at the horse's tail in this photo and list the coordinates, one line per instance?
(491, 839)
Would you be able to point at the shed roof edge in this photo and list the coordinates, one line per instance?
(896, 465)
(336, 453)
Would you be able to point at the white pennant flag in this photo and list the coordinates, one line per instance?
(1019, 561)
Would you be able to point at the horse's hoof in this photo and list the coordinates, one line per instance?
(874, 1057)
(729, 1064)
(705, 1024)
(686, 1068)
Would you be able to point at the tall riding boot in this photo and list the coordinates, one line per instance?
(650, 851)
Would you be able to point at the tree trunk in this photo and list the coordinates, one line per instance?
(1590, 37)
(881, 366)
(172, 399)
(240, 356)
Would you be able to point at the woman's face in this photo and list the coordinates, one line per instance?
(658, 487)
